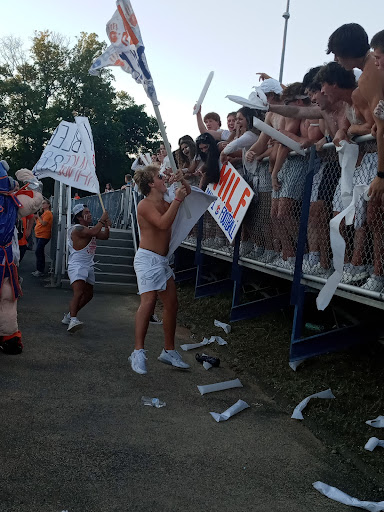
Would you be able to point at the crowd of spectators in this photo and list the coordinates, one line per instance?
(334, 102)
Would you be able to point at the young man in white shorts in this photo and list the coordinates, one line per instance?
(154, 276)
(82, 248)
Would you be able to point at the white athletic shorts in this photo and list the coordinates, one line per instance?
(81, 273)
(152, 271)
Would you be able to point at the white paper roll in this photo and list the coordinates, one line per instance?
(280, 137)
(203, 93)
(220, 386)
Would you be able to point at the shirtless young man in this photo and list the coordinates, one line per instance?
(154, 275)
(357, 111)
(349, 44)
(288, 177)
(265, 146)
(82, 248)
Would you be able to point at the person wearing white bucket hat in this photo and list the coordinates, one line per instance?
(82, 247)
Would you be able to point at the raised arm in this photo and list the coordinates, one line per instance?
(296, 112)
(161, 221)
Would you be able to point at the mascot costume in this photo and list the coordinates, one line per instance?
(14, 204)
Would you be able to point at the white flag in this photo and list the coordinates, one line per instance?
(69, 156)
(127, 49)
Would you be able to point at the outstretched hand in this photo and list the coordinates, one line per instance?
(263, 76)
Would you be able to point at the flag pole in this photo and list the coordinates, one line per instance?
(168, 148)
(165, 138)
(101, 202)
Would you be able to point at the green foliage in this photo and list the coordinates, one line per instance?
(52, 85)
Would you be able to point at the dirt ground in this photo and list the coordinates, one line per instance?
(259, 349)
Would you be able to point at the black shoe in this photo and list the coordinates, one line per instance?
(13, 346)
(214, 361)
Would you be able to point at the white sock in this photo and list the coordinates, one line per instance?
(73, 317)
(136, 351)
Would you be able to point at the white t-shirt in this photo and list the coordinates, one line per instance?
(225, 134)
(244, 141)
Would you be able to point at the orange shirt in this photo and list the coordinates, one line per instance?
(44, 231)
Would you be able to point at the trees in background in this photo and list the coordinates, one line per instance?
(53, 84)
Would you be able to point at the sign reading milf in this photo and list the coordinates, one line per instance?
(234, 196)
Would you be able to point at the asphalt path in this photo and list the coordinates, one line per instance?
(75, 436)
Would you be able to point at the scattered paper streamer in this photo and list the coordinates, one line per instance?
(297, 415)
(295, 364)
(220, 340)
(206, 341)
(377, 423)
(220, 386)
(207, 365)
(338, 247)
(190, 346)
(226, 327)
(239, 406)
(341, 497)
(372, 443)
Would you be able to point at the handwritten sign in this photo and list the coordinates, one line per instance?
(234, 196)
(69, 156)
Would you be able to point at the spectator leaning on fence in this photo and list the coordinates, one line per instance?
(349, 44)
(339, 85)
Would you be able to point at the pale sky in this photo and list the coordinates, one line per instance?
(184, 41)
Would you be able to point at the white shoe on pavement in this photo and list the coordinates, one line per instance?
(172, 357)
(138, 361)
(66, 319)
(37, 273)
(155, 320)
(75, 325)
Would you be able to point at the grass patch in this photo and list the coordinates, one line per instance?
(259, 350)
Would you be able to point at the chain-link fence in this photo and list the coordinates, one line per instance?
(117, 204)
(270, 229)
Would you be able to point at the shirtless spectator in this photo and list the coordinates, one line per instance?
(349, 44)
(288, 176)
(377, 44)
(265, 147)
(154, 275)
(359, 115)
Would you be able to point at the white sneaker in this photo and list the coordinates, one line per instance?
(66, 319)
(246, 247)
(74, 325)
(138, 361)
(268, 256)
(172, 357)
(354, 274)
(155, 320)
(319, 271)
(37, 273)
(374, 283)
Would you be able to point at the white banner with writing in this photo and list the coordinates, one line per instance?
(69, 156)
(234, 196)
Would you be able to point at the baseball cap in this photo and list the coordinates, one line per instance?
(77, 209)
